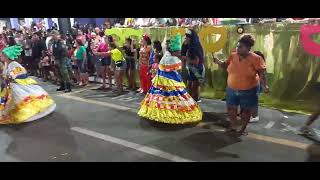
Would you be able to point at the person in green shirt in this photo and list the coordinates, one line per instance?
(81, 58)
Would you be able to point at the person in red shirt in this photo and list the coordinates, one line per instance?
(245, 70)
(145, 51)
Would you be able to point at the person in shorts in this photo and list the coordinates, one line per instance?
(81, 58)
(246, 71)
(120, 63)
(45, 66)
(103, 62)
(131, 57)
(306, 129)
(194, 63)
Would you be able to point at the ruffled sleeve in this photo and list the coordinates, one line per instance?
(19, 74)
(15, 70)
(169, 63)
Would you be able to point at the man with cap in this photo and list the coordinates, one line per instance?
(59, 52)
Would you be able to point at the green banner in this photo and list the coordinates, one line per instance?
(293, 75)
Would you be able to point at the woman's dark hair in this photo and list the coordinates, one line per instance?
(129, 40)
(101, 34)
(37, 34)
(113, 45)
(157, 45)
(86, 31)
(149, 41)
(260, 54)
(168, 44)
(247, 40)
(184, 49)
(79, 42)
(11, 41)
(195, 48)
(110, 39)
(63, 36)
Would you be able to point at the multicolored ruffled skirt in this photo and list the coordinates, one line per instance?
(24, 101)
(167, 101)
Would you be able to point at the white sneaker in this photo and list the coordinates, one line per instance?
(139, 90)
(256, 119)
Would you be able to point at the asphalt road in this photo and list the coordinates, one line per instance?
(91, 125)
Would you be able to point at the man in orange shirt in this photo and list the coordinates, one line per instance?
(245, 71)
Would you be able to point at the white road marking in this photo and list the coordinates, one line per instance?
(269, 125)
(284, 130)
(290, 128)
(127, 99)
(138, 147)
(316, 131)
(109, 105)
(95, 95)
(118, 97)
(251, 135)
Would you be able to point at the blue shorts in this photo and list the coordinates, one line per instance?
(243, 98)
(197, 72)
(106, 61)
(122, 67)
(131, 63)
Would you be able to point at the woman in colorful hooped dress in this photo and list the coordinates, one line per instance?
(167, 101)
(22, 100)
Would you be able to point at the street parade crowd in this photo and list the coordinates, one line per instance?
(68, 60)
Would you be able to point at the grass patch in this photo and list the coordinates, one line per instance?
(299, 107)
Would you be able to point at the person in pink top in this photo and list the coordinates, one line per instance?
(3, 43)
(81, 36)
(104, 62)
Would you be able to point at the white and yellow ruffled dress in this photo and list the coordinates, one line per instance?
(22, 99)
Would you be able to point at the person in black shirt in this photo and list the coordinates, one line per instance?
(131, 57)
(69, 40)
(194, 57)
(37, 47)
(11, 41)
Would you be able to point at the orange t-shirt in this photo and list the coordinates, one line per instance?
(242, 75)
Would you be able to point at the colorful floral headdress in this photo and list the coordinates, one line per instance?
(12, 52)
(146, 37)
